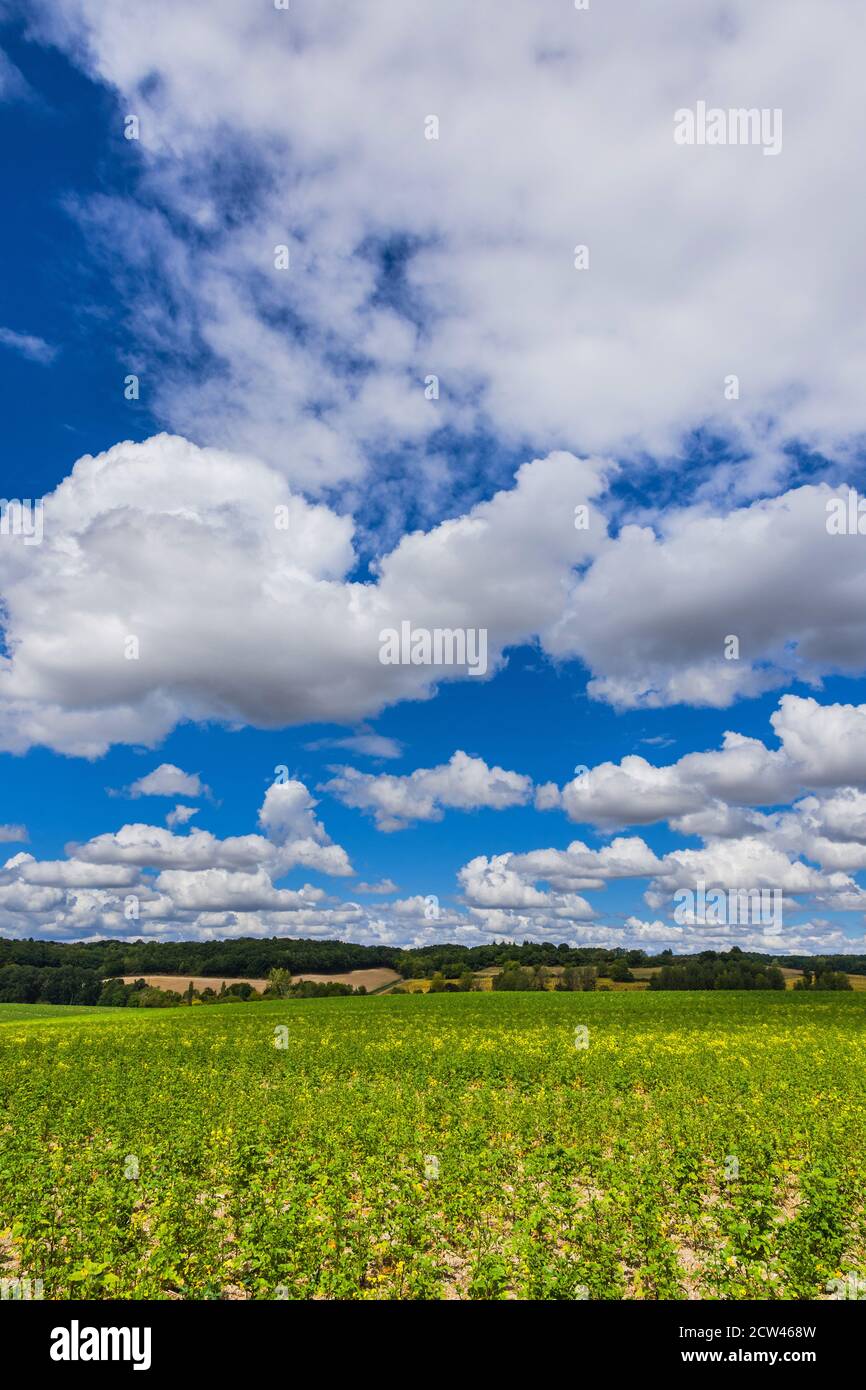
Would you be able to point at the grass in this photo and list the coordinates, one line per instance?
(13, 1013)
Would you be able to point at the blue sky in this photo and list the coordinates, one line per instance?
(321, 769)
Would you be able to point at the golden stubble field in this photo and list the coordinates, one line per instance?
(371, 980)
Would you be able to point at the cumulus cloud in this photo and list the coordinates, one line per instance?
(69, 873)
(155, 847)
(192, 884)
(226, 890)
(455, 255)
(181, 581)
(580, 866)
(657, 934)
(749, 862)
(237, 617)
(287, 818)
(508, 892)
(494, 883)
(463, 782)
(13, 834)
(706, 793)
(543, 884)
(653, 614)
(168, 780)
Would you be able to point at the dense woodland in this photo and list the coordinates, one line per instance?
(53, 972)
(719, 972)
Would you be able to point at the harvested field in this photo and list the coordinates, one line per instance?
(371, 980)
(376, 978)
(182, 982)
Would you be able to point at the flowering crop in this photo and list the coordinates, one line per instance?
(460, 1146)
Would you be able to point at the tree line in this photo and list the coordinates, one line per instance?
(56, 972)
(735, 969)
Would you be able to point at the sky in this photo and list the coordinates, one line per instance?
(327, 324)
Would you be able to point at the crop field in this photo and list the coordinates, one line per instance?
(556, 1146)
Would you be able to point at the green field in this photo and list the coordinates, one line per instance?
(181, 1154)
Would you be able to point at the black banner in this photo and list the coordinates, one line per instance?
(83, 1339)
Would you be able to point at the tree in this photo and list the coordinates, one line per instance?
(114, 994)
(578, 977)
(620, 973)
(19, 984)
(152, 998)
(823, 980)
(241, 989)
(709, 970)
(513, 977)
(280, 981)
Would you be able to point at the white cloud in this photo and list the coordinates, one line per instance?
(238, 619)
(463, 782)
(493, 883)
(578, 866)
(455, 257)
(556, 128)
(13, 834)
(193, 884)
(705, 793)
(287, 818)
(69, 873)
(365, 742)
(29, 345)
(155, 847)
(13, 84)
(657, 935)
(805, 938)
(750, 862)
(168, 780)
(227, 890)
(652, 615)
